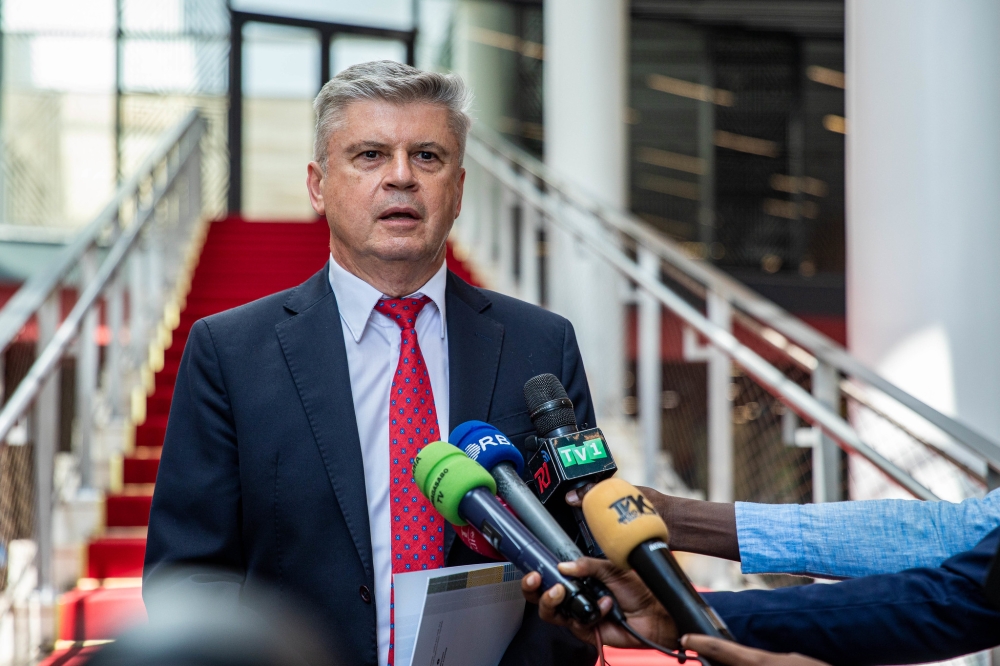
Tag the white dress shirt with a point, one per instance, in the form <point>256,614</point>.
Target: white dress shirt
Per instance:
<point>372,342</point>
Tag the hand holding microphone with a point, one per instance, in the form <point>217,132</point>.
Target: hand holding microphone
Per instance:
<point>634,537</point>
<point>643,612</point>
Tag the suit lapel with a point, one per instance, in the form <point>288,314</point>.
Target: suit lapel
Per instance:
<point>313,344</point>
<point>474,343</point>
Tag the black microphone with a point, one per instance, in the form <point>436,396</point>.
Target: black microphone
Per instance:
<point>566,457</point>
<point>462,492</point>
<point>635,537</point>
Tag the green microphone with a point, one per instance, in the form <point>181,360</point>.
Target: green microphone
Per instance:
<point>464,493</point>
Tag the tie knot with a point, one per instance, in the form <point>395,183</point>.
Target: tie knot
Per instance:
<point>403,311</point>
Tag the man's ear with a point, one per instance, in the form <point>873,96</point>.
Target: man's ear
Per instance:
<point>314,183</point>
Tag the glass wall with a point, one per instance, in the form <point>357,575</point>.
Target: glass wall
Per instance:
<point>88,87</point>
<point>737,145</point>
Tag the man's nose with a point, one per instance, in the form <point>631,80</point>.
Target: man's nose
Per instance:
<point>400,172</point>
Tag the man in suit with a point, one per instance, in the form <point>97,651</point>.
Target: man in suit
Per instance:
<point>295,418</point>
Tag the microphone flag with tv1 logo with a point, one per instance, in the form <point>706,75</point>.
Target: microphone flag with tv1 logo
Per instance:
<point>566,458</point>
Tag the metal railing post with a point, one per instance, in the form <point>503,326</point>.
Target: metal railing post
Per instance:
<point>115,322</point>
<point>481,245</point>
<point>154,248</point>
<point>46,440</point>
<point>720,408</point>
<point>86,376</point>
<point>649,369</point>
<point>504,239</point>
<point>826,461</point>
<point>195,189</point>
<point>530,287</point>
<point>136,299</point>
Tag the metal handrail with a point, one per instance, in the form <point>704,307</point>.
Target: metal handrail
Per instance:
<point>32,383</point>
<point>36,289</point>
<point>817,344</point>
<point>30,297</point>
<point>766,374</point>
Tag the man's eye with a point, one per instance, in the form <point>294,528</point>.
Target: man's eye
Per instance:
<point>370,154</point>
<point>425,155</point>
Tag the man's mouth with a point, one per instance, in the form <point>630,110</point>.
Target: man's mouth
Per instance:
<point>400,213</point>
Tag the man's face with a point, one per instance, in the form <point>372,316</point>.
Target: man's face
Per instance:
<point>392,186</point>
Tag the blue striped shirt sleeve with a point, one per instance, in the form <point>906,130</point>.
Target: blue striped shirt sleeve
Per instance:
<point>862,538</point>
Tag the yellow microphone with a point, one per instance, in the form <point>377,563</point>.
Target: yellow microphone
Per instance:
<point>633,536</point>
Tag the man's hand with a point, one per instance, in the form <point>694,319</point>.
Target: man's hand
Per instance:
<point>644,612</point>
<point>720,651</point>
<point>708,528</point>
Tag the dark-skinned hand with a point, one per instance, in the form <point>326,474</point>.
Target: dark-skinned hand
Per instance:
<point>643,611</point>
<point>695,526</point>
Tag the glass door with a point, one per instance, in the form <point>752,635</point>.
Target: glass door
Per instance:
<point>280,79</point>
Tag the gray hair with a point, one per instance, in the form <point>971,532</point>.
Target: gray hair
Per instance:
<point>395,83</point>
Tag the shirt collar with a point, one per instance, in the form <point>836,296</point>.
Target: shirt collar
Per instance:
<point>356,298</point>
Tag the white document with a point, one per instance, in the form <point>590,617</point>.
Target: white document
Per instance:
<point>464,616</point>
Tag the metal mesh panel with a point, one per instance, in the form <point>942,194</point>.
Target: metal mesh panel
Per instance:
<point>940,466</point>
<point>767,469</point>
<point>684,428</point>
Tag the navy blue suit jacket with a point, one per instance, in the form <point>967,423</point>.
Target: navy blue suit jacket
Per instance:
<point>261,476</point>
<point>910,617</point>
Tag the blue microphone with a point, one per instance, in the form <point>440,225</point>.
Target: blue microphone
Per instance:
<point>490,448</point>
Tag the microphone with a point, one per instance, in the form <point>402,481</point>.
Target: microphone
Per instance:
<point>566,457</point>
<point>634,537</point>
<point>462,492</point>
<point>490,448</point>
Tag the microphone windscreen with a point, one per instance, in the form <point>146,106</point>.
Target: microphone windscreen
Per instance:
<point>445,475</point>
<point>621,518</point>
<point>486,445</point>
<point>544,388</point>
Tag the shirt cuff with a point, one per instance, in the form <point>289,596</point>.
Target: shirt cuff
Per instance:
<point>770,538</point>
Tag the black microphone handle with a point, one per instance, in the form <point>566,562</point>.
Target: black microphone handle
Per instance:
<point>658,569</point>
<point>593,548</point>
<point>533,513</point>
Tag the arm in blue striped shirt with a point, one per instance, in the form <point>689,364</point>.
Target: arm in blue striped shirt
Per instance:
<point>862,538</point>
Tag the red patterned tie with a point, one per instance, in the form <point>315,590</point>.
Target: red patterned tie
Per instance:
<point>417,528</point>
